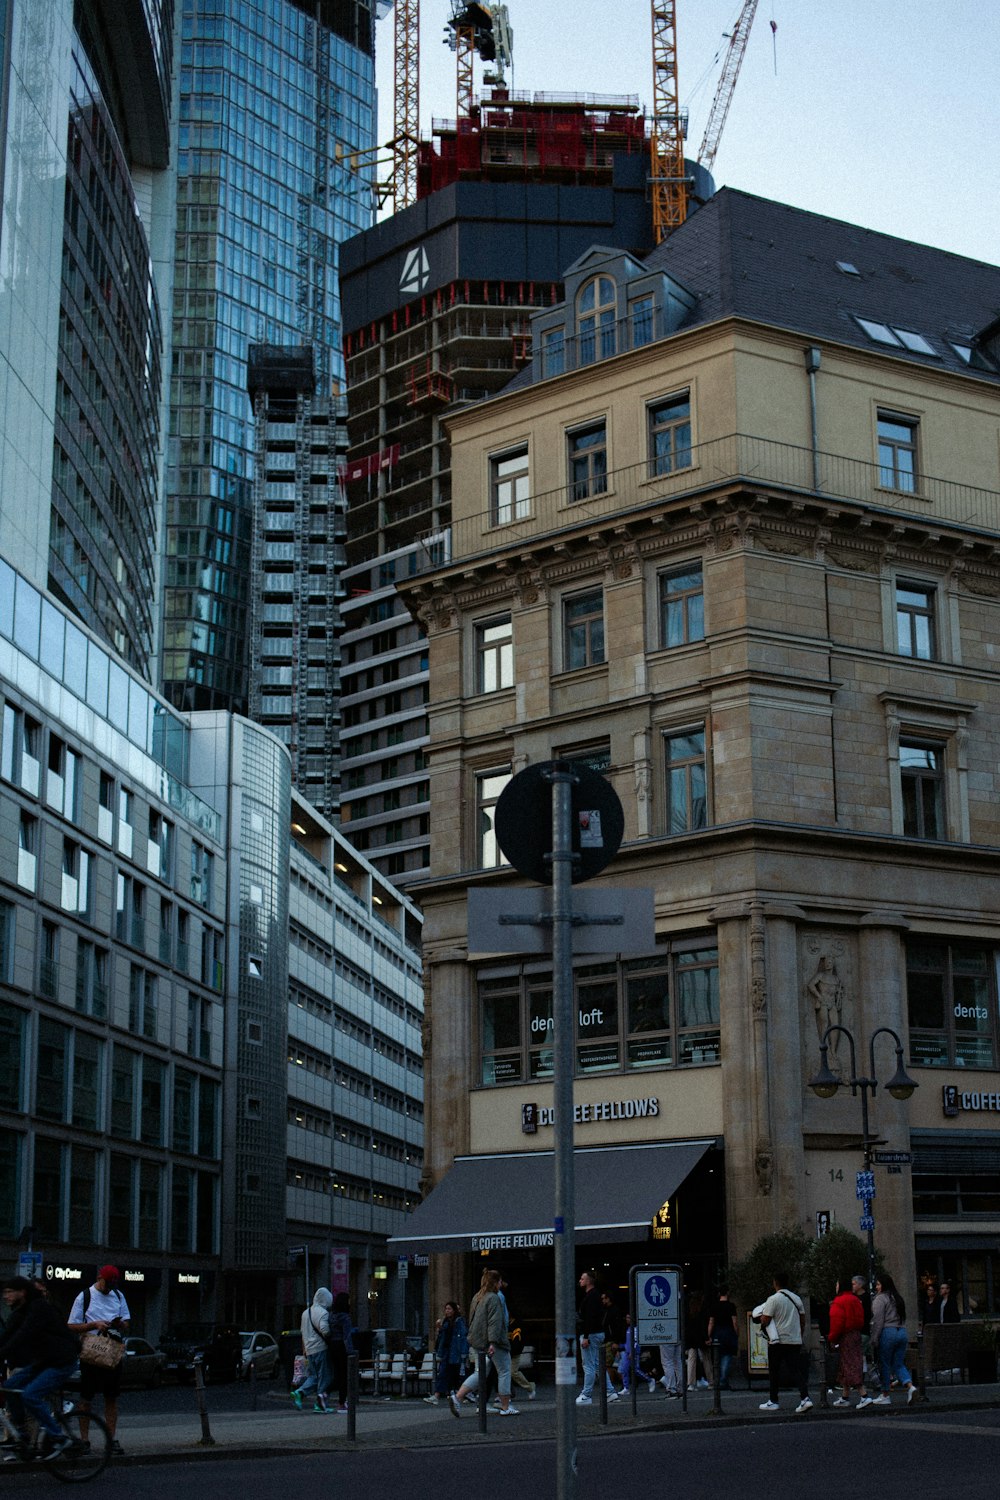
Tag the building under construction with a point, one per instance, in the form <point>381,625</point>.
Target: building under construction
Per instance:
<point>436,306</point>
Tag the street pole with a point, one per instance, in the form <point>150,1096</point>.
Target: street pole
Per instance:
<point>564,1226</point>
<point>863,1085</point>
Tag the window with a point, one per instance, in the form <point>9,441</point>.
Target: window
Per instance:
<point>921,776</point>
<point>50,1070</point>
<point>62,778</point>
<point>494,654</point>
<point>75,892</point>
<point>201,874</point>
<point>91,979</point>
<point>8,928</point>
<point>11,1056</point>
<point>553,352</point>
<point>126,804</point>
<point>682,606</point>
<point>583,630</point>
<point>510,492</point>
<point>106,808</point>
<point>588,461</point>
<point>489,785</point>
<point>658,1011</point>
<point>897,452</point>
<point>27,851</point>
<point>915,620</point>
<point>670,434</point>
<point>641,312</point>
<point>199,1029</point>
<point>684,755</point>
<point>48,961</point>
<point>596,308</point>
<point>19,749</point>
<point>142,1002</point>
<point>123,1094</point>
<point>87,1092</point>
<point>952,999</point>
<point>159,852</point>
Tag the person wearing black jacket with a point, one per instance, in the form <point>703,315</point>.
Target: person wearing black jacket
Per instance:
<point>42,1353</point>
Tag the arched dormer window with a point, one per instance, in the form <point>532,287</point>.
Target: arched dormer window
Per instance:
<point>596,309</point>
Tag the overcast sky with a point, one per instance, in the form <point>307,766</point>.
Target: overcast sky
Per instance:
<point>882,112</point>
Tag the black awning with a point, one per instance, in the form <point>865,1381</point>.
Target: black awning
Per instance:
<point>507,1202</point>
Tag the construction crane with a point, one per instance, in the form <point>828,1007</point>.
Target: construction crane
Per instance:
<point>477,28</point>
<point>738,39</point>
<point>666,143</point>
<point>406,102</point>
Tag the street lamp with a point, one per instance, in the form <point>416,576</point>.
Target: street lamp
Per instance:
<point>826,1083</point>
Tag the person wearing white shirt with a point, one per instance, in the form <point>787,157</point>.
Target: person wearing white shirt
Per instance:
<point>101,1308</point>
<point>783,1319</point>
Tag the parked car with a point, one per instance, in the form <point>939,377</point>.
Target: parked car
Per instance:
<point>142,1366</point>
<point>260,1351</point>
<point>218,1346</point>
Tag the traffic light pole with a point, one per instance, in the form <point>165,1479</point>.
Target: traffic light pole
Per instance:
<point>563,1043</point>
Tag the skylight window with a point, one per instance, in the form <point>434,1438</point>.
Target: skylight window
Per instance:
<point>915,341</point>
<point>881,333</point>
<point>847,268</point>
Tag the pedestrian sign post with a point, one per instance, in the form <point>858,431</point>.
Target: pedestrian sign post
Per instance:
<point>657,1305</point>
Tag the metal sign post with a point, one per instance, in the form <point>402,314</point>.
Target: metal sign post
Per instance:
<point>564,1222</point>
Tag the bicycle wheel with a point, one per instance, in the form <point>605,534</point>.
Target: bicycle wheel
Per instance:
<point>83,1460</point>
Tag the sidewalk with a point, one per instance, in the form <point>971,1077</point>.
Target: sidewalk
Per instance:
<point>277,1428</point>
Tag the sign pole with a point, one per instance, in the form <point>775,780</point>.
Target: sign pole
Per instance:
<point>565,1216</point>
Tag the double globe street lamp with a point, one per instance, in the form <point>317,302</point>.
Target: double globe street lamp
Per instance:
<point>826,1083</point>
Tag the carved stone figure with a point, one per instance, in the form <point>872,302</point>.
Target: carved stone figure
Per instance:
<point>826,990</point>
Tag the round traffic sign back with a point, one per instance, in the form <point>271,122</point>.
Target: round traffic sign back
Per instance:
<point>523,820</point>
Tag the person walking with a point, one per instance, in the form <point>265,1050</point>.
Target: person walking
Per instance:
<point>783,1319</point>
<point>339,1345</point>
<point>847,1319</point>
<point>451,1349</point>
<point>889,1338</point>
<point>947,1307</point>
<point>488,1335</point>
<point>315,1329</point>
<point>101,1308</point>
<point>724,1328</point>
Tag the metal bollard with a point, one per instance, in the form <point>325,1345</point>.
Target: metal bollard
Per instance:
<point>352,1396</point>
<point>252,1376</point>
<point>206,1440</point>
<point>921,1372</point>
<point>824,1371</point>
<point>716,1410</point>
<point>602,1380</point>
<point>481,1367</point>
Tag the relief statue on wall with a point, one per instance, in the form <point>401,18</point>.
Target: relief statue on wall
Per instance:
<point>827,993</point>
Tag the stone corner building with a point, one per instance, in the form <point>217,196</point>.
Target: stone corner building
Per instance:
<point>732,539</point>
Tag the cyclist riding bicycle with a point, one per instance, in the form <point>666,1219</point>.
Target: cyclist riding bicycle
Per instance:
<point>42,1353</point>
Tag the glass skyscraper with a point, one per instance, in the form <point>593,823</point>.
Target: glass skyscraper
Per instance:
<point>268,90</point>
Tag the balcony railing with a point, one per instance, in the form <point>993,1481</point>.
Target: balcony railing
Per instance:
<point>738,459</point>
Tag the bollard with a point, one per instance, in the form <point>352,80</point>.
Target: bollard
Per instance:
<point>352,1396</point>
<point>602,1379</point>
<point>716,1410</point>
<point>252,1377</point>
<point>921,1372</point>
<point>481,1367</point>
<point>824,1368</point>
<point>206,1440</point>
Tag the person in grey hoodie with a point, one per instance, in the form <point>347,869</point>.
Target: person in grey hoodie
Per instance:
<point>315,1333</point>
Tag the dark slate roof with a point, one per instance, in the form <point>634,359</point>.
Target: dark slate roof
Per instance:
<point>753,258</point>
<point>750,257</point>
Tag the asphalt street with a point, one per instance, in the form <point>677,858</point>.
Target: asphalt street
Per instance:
<point>935,1455</point>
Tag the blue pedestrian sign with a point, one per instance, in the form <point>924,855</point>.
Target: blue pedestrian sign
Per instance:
<point>657,1304</point>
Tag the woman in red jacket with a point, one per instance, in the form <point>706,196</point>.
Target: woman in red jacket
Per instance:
<point>847,1319</point>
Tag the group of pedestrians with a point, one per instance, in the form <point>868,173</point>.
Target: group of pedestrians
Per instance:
<point>41,1349</point>
<point>326,1343</point>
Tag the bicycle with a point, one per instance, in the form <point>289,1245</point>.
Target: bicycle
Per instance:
<point>83,1459</point>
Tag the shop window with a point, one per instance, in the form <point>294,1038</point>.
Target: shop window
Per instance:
<point>654,1012</point>
<point>952,1003</point>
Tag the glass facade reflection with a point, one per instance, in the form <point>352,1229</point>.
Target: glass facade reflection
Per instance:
<point>268,90</point>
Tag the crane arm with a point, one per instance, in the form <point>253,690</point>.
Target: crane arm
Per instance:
<point>727,83</point>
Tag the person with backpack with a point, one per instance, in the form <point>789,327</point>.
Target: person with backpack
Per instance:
<point>315,1329</point>
<point>101,1309</point>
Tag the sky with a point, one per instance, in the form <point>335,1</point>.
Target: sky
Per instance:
<point>885,113</point>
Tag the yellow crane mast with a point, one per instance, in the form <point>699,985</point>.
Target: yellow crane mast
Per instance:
<point>667,176</point>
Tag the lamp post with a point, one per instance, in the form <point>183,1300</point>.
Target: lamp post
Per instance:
<point>900,1086</point>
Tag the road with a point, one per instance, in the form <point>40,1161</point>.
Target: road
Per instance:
<point>937,1457</point>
